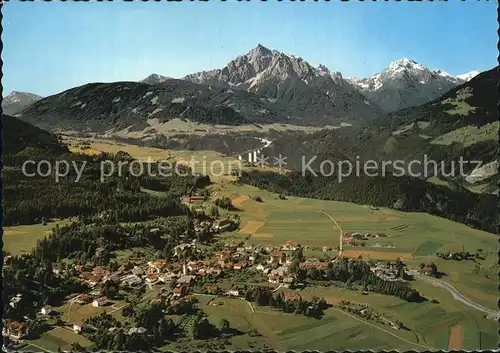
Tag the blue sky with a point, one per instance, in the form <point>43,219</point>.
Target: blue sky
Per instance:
<point>50,47</point>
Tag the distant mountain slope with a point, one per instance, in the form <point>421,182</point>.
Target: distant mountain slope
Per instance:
<point>321,95</point>
<point>154,79</point>
<point>473,103</point>
<point>17,101</point>
<point>18,135</point>
<point>406,83</point>
<point>111,107</point>
<point>461,123</point>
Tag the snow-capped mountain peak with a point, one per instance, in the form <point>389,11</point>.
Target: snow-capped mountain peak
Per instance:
<point>405,83</point>
<point>290,79</point>
<point>405,64</point>
<point>468,76</point>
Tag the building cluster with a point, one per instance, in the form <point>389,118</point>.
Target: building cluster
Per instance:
<point>390,272</point>
<point>349,238</point>
<point>14,330</point>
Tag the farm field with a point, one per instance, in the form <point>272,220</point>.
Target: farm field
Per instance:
<point>74,313</point>
<point>23,238</point>
<point>430,322</point>
<point>414,237</point>
<point>284,331</point>
<point>58,337</point>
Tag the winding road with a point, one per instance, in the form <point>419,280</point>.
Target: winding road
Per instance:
<point>459,296</point>
<point>338,226</point>
<point>265,143</point>
<point>456,294</point>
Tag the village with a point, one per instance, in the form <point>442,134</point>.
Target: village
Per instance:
<point>175,282</point>
<point>221,266</point>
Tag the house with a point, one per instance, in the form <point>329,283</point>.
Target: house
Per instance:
<point>427,271</point>
<point>347,239</point>
<point>138,330</point>
<point>195,265</point>
<point>94,280</point>
<point>15,300</point>
<point>269,248</point>
<point>288,282</point>
<point>289,296</point>
<point>114,276</point>
<point>56,270</point>
<point>100,301</point>
<point>274,278</point>
<point>223,255</point>
<point>280,271</point>
<point>233,293</point>
<point>222,224</point>
<point>131,280</point>
<point>260,267</point>
<point>166,277</point>
<point>7,259</point>
<point>67,349</point>
<point>158,265</point>
<point>238,266</point>
<point>193,198</point>
<point>409,275</point>
<point>186,279</point>
<point>213,271</point>
<point>277,256</point>
<point>357,236</point>
<point>77,328</point>
<point>46,310</point>
<point>137,271</point>
<point>14,329</point>
<point>180,291</point>
<point>290,245</point>
<point>83,299</point>
<point>156,300</point>
<point>99,271</point>
<point>152,278</point>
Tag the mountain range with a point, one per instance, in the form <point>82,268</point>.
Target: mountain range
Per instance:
<point>406,83</point>
<point>260,87</point>
<point>17,101</point>
<point>273,74</point>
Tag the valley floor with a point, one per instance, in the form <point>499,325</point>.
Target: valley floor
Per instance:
<point>318,225</point>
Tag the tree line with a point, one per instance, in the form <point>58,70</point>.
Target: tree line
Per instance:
<point>401,193</point>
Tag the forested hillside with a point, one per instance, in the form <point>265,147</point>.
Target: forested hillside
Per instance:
<point>401,193</point>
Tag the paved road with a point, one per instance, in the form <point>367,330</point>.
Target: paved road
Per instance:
<point>340,230</point>
<point>459,296</point>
